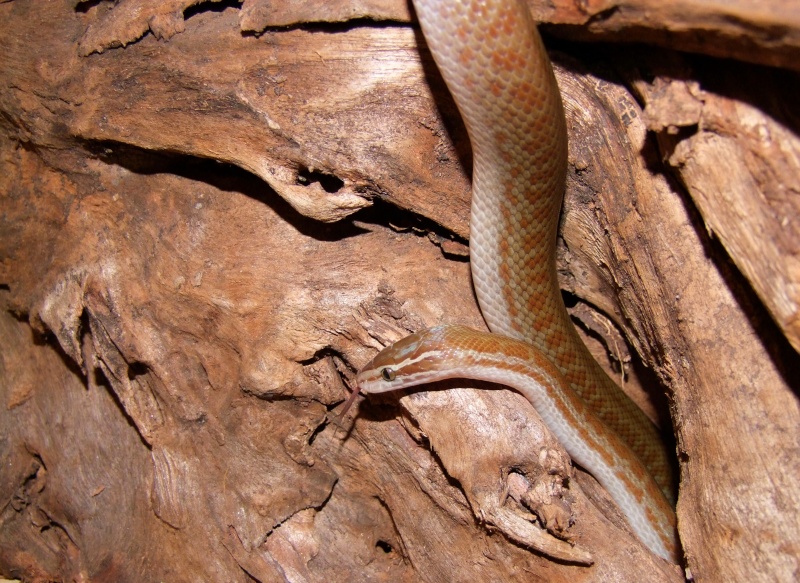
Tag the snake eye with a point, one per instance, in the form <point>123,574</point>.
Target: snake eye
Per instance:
<point>388,374</point>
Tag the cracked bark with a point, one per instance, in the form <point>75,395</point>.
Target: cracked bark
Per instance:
<point>178,322</point>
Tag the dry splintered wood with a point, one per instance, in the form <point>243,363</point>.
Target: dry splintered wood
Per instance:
<point>205,233</point>
<point>766,32</point>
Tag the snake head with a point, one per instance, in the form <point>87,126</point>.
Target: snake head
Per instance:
<point>412,361</point>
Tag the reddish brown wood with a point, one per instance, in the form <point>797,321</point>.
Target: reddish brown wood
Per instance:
<point>174,333</point>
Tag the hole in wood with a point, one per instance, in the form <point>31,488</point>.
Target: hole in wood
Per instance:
<point>384,546</point>
<point>329,183</point>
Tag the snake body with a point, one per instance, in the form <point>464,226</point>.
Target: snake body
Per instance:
<point>495,65</point>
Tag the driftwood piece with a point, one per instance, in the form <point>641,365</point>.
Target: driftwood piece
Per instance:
<point>180,334</point>
<point>742,168</point>
<point>699,352</point>
<point>764,32</point>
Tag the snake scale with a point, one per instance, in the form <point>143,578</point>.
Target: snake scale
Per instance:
<point>495,65</point>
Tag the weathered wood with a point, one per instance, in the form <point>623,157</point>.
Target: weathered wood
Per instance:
<point>765,32</point>
<point>166,419</point>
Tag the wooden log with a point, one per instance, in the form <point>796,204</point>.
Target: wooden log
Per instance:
<point>178,323</point>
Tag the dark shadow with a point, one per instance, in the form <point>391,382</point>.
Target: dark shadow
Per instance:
<point>448,110</point>
<point>83,7</point>
<point>335,27</point>
<point>49,340</point>
<point>209,6</point>
<point>328,182</point>
<point>226,178</point>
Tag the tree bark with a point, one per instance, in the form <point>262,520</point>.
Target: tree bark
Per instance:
<point>213,215</point>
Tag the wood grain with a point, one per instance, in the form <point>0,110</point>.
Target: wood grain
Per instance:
<point>193,329</point>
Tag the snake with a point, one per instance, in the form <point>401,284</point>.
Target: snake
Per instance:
<point>494,64</point>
